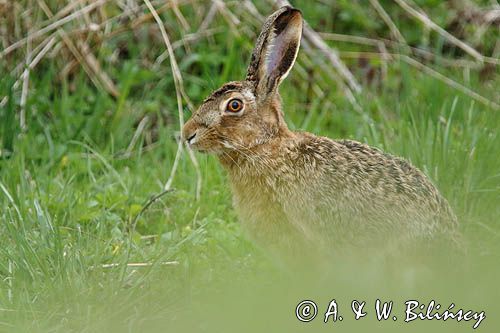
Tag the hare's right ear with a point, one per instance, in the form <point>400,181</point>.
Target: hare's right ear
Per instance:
<point>275,51</point>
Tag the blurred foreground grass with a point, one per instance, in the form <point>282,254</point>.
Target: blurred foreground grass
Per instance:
<point>73,182</point>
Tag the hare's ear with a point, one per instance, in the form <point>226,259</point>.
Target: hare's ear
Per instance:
<point>275,51</point>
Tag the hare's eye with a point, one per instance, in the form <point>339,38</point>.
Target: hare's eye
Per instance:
<point>234,105</point>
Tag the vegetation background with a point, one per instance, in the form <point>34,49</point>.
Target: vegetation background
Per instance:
<point>108,223</point>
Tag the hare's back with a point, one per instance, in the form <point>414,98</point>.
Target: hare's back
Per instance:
<point>384,172</point>
<point>362,189</point>
<point>354,171</point>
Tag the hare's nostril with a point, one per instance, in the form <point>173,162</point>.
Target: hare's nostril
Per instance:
<point>190,138</point>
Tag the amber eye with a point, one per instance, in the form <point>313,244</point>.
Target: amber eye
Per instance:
<point>234,105</point>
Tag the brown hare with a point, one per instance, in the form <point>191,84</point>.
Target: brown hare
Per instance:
<point>293,188</point>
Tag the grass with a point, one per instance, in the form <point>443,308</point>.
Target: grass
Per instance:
<point>72,185</point>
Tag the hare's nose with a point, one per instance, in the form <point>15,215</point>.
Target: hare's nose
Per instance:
<point>190,138</point>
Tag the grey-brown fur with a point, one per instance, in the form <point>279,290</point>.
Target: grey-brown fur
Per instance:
<point>295,189</point>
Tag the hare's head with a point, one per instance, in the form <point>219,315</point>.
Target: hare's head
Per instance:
<point>244,114</point>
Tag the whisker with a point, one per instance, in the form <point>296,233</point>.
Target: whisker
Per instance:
<point>260,162</point>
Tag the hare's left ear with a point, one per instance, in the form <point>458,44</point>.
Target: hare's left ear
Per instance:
<point>275,51</point>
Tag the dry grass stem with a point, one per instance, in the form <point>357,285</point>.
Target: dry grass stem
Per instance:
<point>187,39</point>
<point>425,54</point>
<point>207,20</point>
<point>182,20</point>
<point>429,71</point>
<point>179,91</point>
<point>450,82</point>
<point>24,92</point>
<point>231,20</point>
<point>327,69</point>
<point>137,134</point>
<point>199,178</point>
<point>418,14</point>
<point>387,19</point>
<point>96,69</point>
<point>138,264</point>
<point>53,26</point>
<point>85,57</point>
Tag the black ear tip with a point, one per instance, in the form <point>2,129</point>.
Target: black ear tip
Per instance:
<point>286,16</point>
<point>289,10</point>
<point>296,12</point>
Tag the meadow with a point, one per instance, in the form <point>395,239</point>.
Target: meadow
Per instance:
<point>107,223</point>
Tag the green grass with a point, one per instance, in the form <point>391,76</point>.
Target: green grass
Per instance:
<point>70,192</point>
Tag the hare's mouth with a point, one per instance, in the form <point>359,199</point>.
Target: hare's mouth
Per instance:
<point>202,143</point>
<point>198,147</point>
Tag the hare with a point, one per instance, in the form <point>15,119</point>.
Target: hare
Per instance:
<point>291,188</point>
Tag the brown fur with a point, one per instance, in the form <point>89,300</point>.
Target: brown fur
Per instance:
<point>293,188</point>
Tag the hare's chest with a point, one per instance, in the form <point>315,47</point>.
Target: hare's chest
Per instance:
<point>261,212</point>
